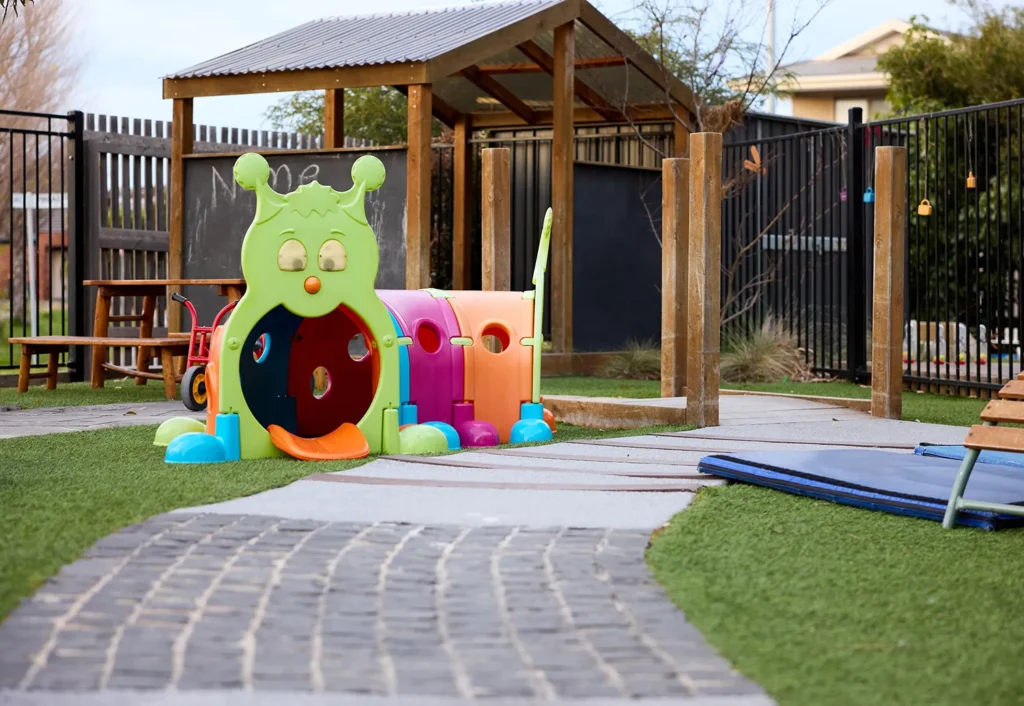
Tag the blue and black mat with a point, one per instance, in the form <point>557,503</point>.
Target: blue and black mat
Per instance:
<point>915,484</point>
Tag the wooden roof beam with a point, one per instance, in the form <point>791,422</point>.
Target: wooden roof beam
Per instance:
<point>441,110</point>
<point>492,120</point>
<point>492,87</point>
<point>299,80</point>
<point>585,93</point>
<point>601,62</point>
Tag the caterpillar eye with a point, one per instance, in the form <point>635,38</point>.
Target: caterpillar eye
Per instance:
<point>332,256</point>
<point>292,256</point>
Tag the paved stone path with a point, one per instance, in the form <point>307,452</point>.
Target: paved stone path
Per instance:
<point>201,601</point>
<point>55,420</point>
<point>430,589</point>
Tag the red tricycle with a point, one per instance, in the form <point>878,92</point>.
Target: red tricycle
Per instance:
<point>193,382</point>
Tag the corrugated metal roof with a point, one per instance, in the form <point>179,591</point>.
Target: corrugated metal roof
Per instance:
<point>364,40</point>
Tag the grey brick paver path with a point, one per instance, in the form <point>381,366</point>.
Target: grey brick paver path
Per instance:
<point>203,601</point>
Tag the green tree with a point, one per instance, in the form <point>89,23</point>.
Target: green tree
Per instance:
<point>983,64</point>
<point>376,114</point>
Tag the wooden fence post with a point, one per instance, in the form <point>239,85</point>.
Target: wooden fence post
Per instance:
<point>675,221</point>
<point>496,218</point>
<point>704,279</point>
<point>887,297</point>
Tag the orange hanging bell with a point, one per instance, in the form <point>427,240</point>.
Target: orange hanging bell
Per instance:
<point>971,181</point>
<point>925,208</point>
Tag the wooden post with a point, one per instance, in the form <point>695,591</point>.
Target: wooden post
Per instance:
<point>704,279</point>
<point>562,149</point>
<point>181,145</point>
<point>462,218</point>
<point>887,298</point>
<point>496,218</point>
<point>334,118</point>
<point>675,222</point>
<point>417,189</point>
<point>680,135</point>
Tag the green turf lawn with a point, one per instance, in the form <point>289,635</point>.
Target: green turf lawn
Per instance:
<point>59,493</point>
<point>76,394</point>
<point>935,409</point>
<point>826,604</point>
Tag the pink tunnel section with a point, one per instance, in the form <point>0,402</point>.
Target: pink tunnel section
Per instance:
<point>436,367</point>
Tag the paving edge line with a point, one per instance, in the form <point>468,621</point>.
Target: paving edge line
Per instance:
<point>296,698</point>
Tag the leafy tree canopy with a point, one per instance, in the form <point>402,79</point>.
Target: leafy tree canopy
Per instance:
<point>984,64</point>
<point>377,114</point>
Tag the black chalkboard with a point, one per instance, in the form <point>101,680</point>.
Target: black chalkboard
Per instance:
<point>616,262</point>
<point>218,212</point>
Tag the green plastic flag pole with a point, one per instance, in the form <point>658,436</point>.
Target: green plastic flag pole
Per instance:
<point>539,270</point>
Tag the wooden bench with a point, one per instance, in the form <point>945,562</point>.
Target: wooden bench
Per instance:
<point>165,348</point>
<point>1007,409</point>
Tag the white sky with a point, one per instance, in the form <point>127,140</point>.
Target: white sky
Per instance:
<point>128,45</point>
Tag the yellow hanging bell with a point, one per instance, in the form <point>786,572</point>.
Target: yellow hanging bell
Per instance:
<point>971,181</point>
<point>924,208</point>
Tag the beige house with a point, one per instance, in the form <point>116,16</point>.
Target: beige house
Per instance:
<point>844,77</point>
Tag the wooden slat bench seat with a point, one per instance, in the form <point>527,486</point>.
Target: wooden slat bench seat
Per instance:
<point>164,348</point>
<point>1007,409</point>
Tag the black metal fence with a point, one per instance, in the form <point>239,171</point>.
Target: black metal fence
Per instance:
<point>798,218</point>
<point>965,254</point>
<point>37,252</point>
<point>786,240</point>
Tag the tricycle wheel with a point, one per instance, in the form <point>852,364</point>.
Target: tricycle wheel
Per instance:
<point>193,388</point>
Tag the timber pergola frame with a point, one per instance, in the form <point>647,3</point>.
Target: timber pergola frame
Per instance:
<point>468,61</point>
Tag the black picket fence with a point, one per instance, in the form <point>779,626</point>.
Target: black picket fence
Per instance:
<point>798,231</point>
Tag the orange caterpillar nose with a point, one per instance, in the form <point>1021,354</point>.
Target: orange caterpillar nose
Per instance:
<point>312,285</point>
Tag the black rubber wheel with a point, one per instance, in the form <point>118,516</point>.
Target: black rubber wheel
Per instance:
<point>193,388</point>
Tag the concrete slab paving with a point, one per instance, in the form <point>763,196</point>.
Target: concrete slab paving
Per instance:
<point>385,468</point>
<point>865,430</point>
<point>462,506</point>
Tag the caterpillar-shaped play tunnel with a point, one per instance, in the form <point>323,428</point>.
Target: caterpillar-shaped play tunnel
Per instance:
<point>316,364</point>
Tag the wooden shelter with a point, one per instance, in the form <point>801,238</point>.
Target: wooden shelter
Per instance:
<point>531,63</point>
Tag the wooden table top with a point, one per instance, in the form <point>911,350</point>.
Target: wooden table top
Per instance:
<point>161,282</point>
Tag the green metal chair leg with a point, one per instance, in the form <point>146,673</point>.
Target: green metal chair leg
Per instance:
<point>970,458</point>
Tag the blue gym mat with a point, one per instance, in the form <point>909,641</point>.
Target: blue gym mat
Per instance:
<point>916,484</point>
<point>957,452</point>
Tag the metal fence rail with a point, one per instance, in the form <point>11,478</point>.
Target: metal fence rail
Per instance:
<point>35,290</point>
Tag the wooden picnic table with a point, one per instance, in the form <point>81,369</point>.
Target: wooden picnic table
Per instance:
<point>148,290</point>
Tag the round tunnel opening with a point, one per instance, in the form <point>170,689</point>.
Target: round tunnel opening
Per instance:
<point>311,380</point>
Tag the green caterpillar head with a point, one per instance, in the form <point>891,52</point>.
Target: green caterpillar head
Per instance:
<point>312,249</point>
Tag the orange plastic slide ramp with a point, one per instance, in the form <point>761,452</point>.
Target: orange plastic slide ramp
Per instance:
<point>343,443</point>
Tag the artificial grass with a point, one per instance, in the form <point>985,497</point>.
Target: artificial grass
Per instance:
<point>60,493</point>
<point>920,407</point>
<point>77,394</point>
<point>826,604</point>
